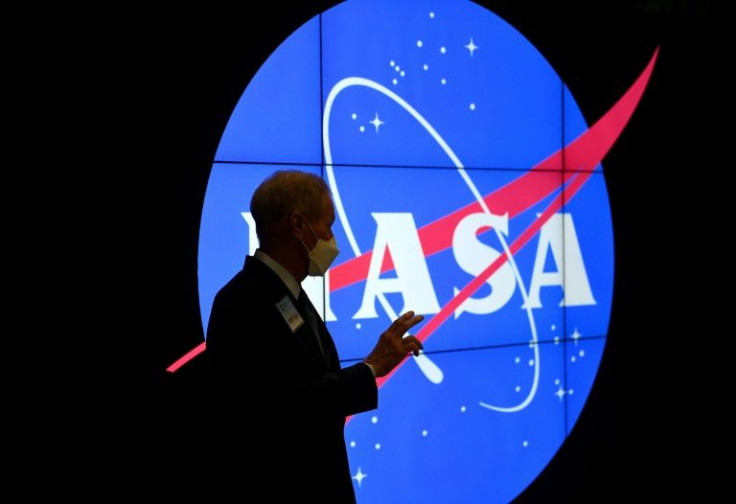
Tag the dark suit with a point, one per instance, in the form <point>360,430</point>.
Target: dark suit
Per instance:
<point>278,407</point>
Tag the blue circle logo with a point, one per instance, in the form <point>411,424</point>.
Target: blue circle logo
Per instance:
<point>468,188</point>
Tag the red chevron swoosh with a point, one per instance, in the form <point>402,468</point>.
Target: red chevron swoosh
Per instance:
<point>581,156</point>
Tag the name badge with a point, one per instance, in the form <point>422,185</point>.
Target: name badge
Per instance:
<point>290,314</point>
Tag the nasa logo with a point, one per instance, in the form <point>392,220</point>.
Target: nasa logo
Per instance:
<point>468,188</point>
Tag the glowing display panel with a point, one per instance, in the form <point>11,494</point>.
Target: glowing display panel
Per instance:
<point>452,67</point>
<point>468,187</point>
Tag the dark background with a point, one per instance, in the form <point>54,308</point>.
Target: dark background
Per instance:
<point>157,90</point>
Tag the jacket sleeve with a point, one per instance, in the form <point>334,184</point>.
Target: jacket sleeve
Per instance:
<point>253,358</point>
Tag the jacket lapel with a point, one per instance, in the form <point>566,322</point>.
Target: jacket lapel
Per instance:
<point>275,290</point>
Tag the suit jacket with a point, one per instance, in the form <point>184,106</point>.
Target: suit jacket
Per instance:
<point>278,407</point>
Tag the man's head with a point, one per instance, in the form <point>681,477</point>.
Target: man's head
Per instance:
<point>292,210</point>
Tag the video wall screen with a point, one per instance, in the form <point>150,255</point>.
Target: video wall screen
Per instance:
<point>468,187</point>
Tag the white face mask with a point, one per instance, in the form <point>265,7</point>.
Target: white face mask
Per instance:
<point>322,255</point>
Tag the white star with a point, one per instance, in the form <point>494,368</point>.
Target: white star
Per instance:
<point>576,336</point>
<point>471,46</point>
<point>359,477</point>
<point>560,393</point>
<point>376,122</point>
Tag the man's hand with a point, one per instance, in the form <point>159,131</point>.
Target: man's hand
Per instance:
<point>393,347</point>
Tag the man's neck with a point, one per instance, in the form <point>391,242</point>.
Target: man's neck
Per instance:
<point>287,260</point>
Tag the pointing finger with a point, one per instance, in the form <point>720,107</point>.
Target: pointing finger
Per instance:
<point>411,322</point>
<point>403,318</point>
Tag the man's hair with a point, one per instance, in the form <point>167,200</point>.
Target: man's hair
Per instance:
<point>282,193</point>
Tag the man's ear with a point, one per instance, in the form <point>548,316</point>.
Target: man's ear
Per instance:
<point>297,224</point>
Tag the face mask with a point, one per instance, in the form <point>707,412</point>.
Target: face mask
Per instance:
<point>322,255</point>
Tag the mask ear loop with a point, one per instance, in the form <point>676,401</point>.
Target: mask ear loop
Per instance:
<point>313,231</point>
<point>304,217</point>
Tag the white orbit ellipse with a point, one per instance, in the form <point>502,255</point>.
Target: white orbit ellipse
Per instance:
<point>428,367</point>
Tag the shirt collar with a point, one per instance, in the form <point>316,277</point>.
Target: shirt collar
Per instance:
<point>280,271</point>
